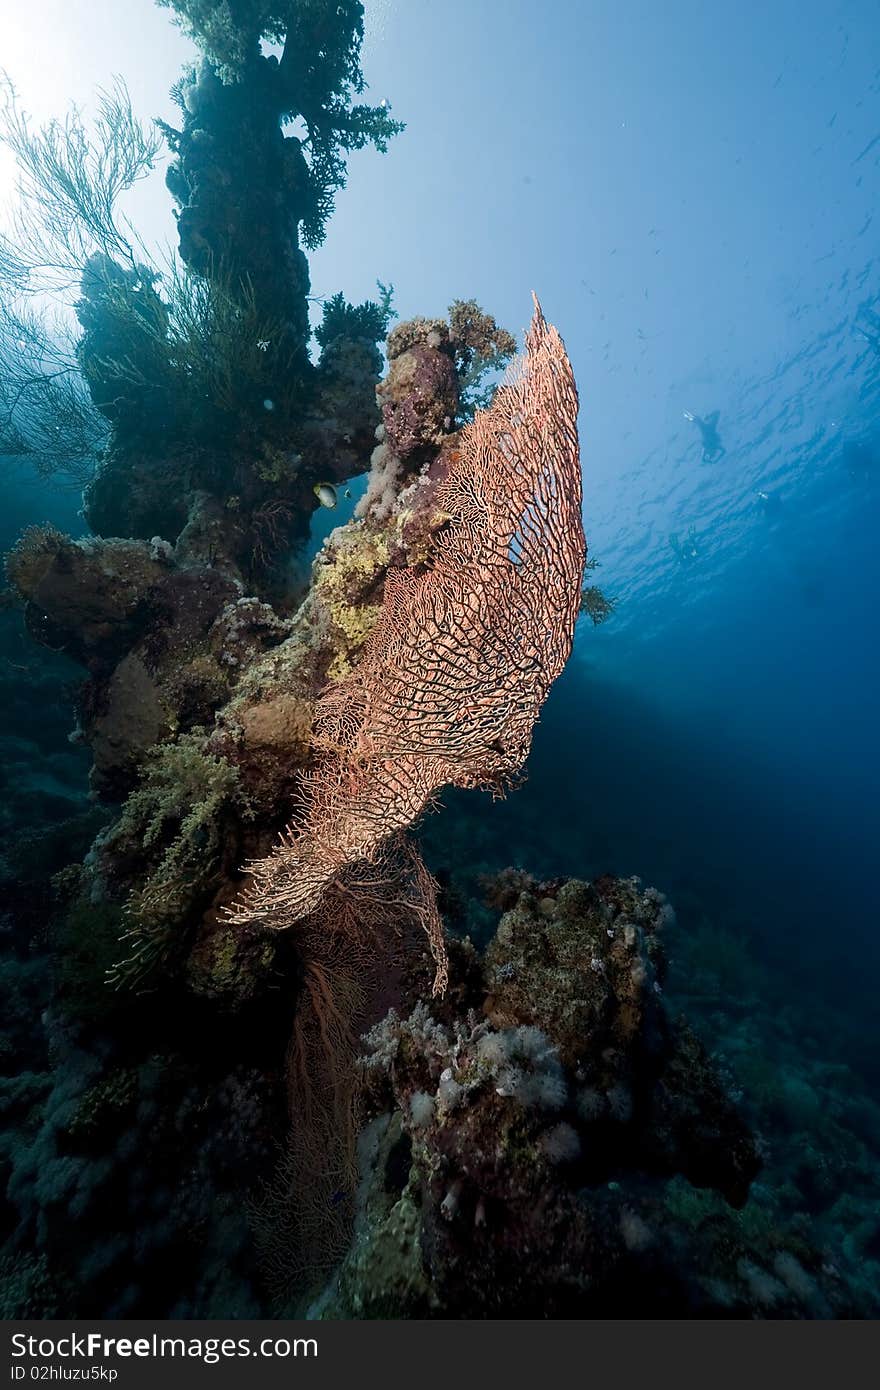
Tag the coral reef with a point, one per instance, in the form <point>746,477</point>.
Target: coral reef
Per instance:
<point>162,1140</point>
<point>463,654</point>
<point>191,407</point>
<point>143,627</point>
<point>199,709</point>
<point>544,1137</point>
<point>419,396</point>
<point>550,1142</point>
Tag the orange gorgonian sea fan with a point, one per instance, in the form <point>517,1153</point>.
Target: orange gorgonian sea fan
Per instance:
<point>453,676</point>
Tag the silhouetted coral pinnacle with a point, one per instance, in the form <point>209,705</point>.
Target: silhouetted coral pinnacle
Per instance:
<point>454,674</point>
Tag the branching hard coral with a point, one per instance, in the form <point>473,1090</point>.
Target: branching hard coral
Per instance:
<point>481,349</point>
<point>313,84</point>
<point>596,605</point>
<point>454,673</point>
<point>368,320</point>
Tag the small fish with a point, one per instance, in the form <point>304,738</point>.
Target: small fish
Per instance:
<point>347,493</point>
<point>326,494</point>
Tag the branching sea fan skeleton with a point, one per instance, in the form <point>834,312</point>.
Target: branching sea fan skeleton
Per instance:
<point>453,676</point>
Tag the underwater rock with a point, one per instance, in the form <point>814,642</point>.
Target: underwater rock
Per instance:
<point>242,188</point>
<point>264,730</point>
<point>88,598</point>
<point>227,965</point>
<point>164,641</point>
<point>531,1120</point>
<point>384,1273</point>
<point>338,432</point>
<point>135,492</point>
<point>419,396</point>
<point>128,718</point>
<point>585,963</point>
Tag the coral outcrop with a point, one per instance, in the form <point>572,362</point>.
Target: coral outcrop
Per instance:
<point>536,1143</point>
<point>465,649</point>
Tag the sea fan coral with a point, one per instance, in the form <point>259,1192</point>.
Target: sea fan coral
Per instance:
<point>454,674</point>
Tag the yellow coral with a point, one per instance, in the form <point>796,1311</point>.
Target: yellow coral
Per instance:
<point>354,622</point>
<point>276,465</point>
<point>346,586</point>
